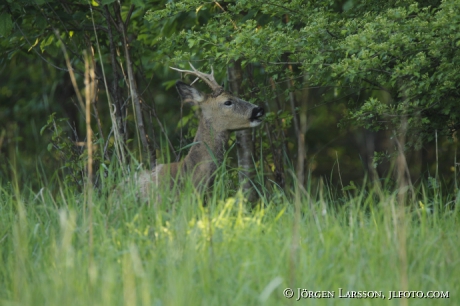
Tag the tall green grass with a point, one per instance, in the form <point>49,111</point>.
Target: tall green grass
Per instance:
<point>180,252</point>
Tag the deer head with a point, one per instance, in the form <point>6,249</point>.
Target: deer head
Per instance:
<point>220,110</point>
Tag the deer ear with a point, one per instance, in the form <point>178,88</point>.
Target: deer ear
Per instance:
<point>189,94</point>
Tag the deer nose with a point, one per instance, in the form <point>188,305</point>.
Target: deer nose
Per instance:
<point>257,113</point>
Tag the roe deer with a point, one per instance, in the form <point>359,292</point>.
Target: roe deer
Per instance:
<point>219,113</point>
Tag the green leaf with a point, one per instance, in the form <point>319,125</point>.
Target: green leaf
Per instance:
<point>6,25</point>
<point>46,42</point>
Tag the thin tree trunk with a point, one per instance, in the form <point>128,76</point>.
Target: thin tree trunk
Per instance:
<point>149,115</point>
<point>277,159</point>
<point>282,147</point>
<point>300,168</point>
<point>115,90</point>
<point>146,144</point>
<point>293,103</point>
<point>245,150</point>
<point>400,216</point>
<point>277,142</point>
<point>369,140</point>
<point>302,150</point>
<point>244,143</point>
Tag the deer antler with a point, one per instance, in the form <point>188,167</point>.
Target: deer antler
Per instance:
<point>207,78</point>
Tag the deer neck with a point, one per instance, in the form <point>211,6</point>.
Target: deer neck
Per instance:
<point>208,149</point>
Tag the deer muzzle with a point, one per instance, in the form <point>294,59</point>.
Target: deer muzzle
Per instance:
<point>256,116</point>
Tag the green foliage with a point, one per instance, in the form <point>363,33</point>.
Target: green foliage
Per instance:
<point>65,151</point>
<point>406,50</point>
<point>70,155</point>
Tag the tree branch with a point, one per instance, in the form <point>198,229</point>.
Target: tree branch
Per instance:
<point>128,17</point>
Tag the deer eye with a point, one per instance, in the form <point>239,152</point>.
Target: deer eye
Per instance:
<point>228,103</point>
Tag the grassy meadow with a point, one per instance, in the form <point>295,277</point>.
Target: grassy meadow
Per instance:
<point>99,247</point>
